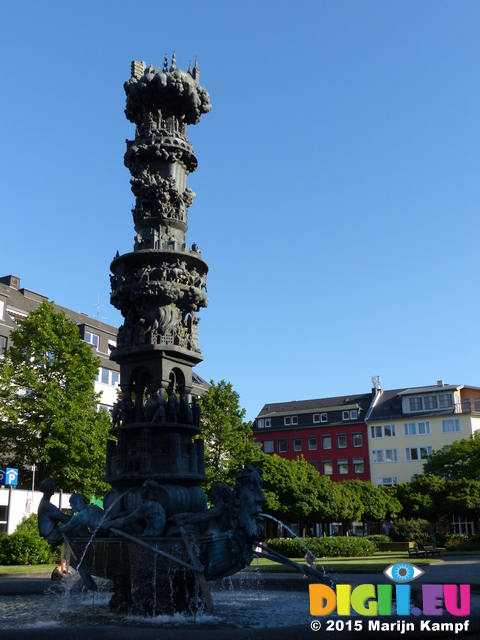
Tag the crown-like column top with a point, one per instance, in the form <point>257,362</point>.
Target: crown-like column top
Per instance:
<point>170,91</point>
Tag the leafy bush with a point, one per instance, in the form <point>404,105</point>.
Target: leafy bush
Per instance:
<point>345,546</point>
<point>376,538</point>
<point>417,530</point>
<point>25,546</point>
<point>462,542</point>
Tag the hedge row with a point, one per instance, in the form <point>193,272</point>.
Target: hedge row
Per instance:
<point>346,547</point>
<point>462,542</point>
<point>25,546</point>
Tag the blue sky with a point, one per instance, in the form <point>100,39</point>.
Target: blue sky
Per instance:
<point>337,190</point>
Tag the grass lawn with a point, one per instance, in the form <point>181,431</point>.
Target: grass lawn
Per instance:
<point>378,562</point>
<point>17,571</point>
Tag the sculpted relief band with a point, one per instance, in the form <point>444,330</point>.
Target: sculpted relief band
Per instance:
<point>376,600</point>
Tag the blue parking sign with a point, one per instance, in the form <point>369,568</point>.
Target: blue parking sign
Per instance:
<point>8,476</point>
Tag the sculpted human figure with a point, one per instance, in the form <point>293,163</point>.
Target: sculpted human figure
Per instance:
<point>172,407</point>
<point>217,519</point>
<point>86,520</point>
<point>150,515</point>
<point>49,516</point>
<point>196,412</point>
<point>248,500</point>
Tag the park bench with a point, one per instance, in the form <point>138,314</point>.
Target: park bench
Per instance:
<point>415,551</point>
<point>430,550</point>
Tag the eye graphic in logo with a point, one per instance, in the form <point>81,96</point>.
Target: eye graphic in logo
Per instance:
<point>402,572</point>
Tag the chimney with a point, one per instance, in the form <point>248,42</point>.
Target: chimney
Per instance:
<point>440,383</point>
<point>11,281</point>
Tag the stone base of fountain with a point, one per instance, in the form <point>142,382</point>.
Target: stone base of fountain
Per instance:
<point>161,575</point>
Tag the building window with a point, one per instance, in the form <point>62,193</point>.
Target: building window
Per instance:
<point>326,442</point>
<point>268,446</point>
<point>384,455</point>
<point>416,404</point>
<point>312,443</point>
<point>451,426</point>
<point>2,309</point>
<point>328,468</point>
<point>324,417</point>
<point>353,414</point>
<point>386,481</point>
<point>282,445</point>
<point>3,344</point>
<point>290,420</point>
<point>297,444</point>
<point>430,402</point>
<point>358,465</point>
<point>417,453</point>
<point>115,378</point>
<point>383,431</point>
<point>417,429</point>
<point>445,400</point>
<point>268,422</point>
<point>92,338</point>
<point>462,525</point>
<point>357,439</point>
<point>316,417</point>
<point>107,376</point>
<point>294,419</point>
<point>260,423</point>
<point>342,441</point>
<point>342,467</point>
<point>345,415</point>
<point>314,464</point>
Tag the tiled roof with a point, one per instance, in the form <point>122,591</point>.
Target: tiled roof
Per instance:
<point>318,404</point>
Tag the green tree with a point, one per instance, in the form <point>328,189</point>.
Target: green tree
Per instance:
<point>48,406</point>
<point>423,497</point>
<point>228,445</point>
<point>461,459</point>
<point>291,489</point>
<point>373,500</point>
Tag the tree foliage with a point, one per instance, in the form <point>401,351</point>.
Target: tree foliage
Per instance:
<point>461,459</point>
<point>48,406</point>
<point>227,436</point>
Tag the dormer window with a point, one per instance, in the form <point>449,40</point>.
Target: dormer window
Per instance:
<point>290,420</point>
<point>416,404</point>
<point>91,338</point>
<point>445,400</point>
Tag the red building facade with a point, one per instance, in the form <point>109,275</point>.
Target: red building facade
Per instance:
<point>330,433</point>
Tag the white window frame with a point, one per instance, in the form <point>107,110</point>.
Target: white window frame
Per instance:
<point>2,309</point>
<point>324,417</point>
<point>419,453</point>
<point>432,402</point>
<point>445,401</point>
<point>383,454</point>
<point>324,438</point>
<point>381,430</point>
<point>353,439</point>
<point>357,462</point>
<point>297,444</point>
<point>89,339</point>
<point>413,428</point>
<point>282,442</point>
<point>342,463</point>
<point>327,462</point>
<point>294,420</point>
<point>342,435</point>
<point>353,414</point>
<point>391,481</point>
<point>416,400</point>
<point>316,418</point>
<point>269,446</point>
<point>345,415</point>
<point>268,423</point>
<point>260,423</point>
<point>457,424</point>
